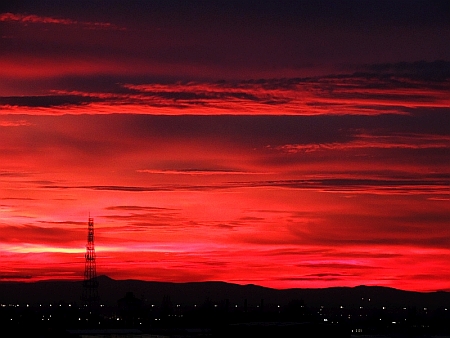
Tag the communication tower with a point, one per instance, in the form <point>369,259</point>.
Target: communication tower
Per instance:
<point>90,284</point>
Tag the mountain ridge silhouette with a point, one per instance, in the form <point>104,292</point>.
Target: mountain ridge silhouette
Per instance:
<point>152,292</point>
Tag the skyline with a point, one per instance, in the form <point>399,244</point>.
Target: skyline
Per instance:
<point>295,145</point>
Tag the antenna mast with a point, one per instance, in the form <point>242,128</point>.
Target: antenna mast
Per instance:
<point>90,284</point>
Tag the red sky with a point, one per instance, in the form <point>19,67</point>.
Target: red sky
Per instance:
<point>305,144</point>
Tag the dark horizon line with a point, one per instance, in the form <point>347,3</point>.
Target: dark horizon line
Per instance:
<point>4,280</point>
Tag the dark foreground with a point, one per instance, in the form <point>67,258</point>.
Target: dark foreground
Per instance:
<point>142,309</point>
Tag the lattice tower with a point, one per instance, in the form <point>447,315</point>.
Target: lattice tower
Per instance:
<point>90,284</point>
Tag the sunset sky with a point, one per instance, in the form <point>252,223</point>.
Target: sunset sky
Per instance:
<point>284,144</point>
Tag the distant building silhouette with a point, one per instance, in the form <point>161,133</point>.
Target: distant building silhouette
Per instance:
<point>90,297</point>
<point>130,309</point>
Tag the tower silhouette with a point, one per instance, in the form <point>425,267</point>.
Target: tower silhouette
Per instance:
<point>90,284</point>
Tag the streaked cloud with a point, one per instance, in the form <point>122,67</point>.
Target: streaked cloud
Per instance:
<point>36,19</point>
<point>352,94</point>
<point>408,141</point>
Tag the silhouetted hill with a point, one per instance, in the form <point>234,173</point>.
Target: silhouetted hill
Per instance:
<point>199,292</point>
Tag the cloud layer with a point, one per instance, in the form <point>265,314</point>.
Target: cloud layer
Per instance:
<point>421,85</point>
<point>182,192</point>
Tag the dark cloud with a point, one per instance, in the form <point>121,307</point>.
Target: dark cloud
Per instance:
<point>198,97</point>
<point>4,173</point>
<point>46,101</point>
<point>191,170</point>
<point>438,71</point>
<point>170,187</point>
<point>35,19</point>
<point>342,266</point>
<point>136,208</point>
<point>420,184</point>
<point>70,223</point>
<point>159,215</point>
